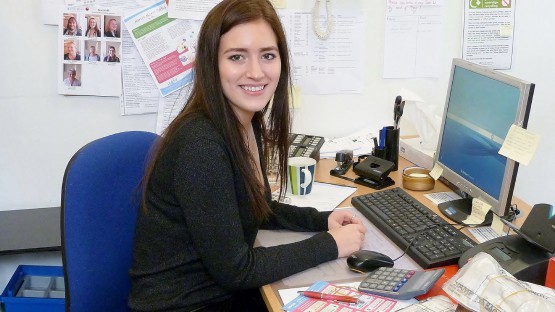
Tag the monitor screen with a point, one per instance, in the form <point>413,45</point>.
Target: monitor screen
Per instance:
<point>481,106</point>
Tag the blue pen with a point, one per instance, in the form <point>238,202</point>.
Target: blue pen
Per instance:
<point>382,138</point>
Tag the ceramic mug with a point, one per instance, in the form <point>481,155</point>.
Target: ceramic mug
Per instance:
<point>300,175</point>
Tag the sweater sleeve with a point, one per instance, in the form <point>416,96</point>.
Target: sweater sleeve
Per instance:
<point>205,189</point>
<point>295,218</point>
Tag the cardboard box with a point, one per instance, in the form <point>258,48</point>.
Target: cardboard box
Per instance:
<point>35,288</point>
<point>550,277</point>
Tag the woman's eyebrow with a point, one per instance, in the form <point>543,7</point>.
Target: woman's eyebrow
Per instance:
<point>265,49</point>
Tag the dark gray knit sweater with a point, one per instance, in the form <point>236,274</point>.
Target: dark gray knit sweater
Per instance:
<point>194,246</point>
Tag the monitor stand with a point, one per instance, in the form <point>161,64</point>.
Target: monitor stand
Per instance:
<point>459,209</point>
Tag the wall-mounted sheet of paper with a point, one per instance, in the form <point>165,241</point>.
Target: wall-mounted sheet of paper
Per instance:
<point>317,63</point>
<point>488,32</point>
<point>413,32</point>
<point>89,51</point>
<point>167,45</point>
<point>190,9</point>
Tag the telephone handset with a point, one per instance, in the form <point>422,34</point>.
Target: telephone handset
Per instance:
<point>305,145</point>
<point>321,34</point>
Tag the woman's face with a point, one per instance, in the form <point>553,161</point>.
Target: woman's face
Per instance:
<point>250,66</point>
<point>71,49</point>
<point>92,23</point>
<point>113,25</point>
<point>72,23</point>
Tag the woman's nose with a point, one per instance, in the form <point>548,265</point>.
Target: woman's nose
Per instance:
<point>255,70</point>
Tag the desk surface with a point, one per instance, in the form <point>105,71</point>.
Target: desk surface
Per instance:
<point>270,291</point>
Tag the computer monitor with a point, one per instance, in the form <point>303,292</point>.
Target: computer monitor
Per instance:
<point>481,105</point>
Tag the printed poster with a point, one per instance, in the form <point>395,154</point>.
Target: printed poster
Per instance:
<point>167,45</point>
<point>89,51</point>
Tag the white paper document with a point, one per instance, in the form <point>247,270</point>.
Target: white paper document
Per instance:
<point>167,45</point>
<point>140,94</point>
<point>324,196</point>
<point>170,106</point>
<point>483,233</point>
<point>432,304</point>
<point>413,33</point>
<point>360,142</point>
<point>442,197</point>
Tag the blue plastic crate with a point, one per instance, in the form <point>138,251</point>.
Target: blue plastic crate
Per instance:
<point>35,288</point>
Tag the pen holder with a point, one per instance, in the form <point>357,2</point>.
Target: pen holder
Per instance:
<point>391,146</point>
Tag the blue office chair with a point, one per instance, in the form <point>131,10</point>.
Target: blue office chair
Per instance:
<point>100,200</point>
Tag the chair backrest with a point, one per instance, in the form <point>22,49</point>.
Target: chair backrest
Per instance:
<point>100,199</point>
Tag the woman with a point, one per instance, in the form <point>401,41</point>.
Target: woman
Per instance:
<point>112,29</point>
<point>72,52</point>
<point>72,28</point>
<point>206,192</point>
<point>92,28</point>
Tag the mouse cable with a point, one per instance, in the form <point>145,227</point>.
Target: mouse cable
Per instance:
<point>462,226</point>
<point>411,242</point>
<point>414,239</point>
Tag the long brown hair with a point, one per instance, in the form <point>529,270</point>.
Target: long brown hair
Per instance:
<point>207,98</point>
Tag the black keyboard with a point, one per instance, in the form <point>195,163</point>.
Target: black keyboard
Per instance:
<point>433,241</point>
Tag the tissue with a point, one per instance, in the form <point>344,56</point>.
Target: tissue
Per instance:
<point>425,117</point>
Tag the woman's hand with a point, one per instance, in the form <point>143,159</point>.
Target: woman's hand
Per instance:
<point>347,230</point>
<point>349,238</point>
<point>341,217</point>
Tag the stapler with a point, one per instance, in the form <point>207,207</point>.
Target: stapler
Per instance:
<point>374,172</point>
<point>344,160</point>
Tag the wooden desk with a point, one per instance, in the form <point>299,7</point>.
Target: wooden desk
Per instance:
<point>270,291</point>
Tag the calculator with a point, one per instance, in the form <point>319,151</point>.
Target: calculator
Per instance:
<point>399,283</point>
<point>305,145</point>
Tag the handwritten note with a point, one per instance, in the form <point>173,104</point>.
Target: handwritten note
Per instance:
<point>436,172</point>
<point>520,145</point>
<point>479,210</point>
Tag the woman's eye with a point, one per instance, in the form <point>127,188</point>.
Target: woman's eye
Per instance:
<point>269,56</point>
<point>235,57</point>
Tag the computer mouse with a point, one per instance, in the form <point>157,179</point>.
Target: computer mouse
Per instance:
<point>364,261</point>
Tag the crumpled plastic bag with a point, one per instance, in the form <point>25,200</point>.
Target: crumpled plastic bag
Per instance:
<point>483,285</point>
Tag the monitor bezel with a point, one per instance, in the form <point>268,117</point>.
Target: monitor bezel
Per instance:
<point>500,206</point>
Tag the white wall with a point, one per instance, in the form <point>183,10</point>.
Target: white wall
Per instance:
<point>532,60</point>
<point>40,130</point>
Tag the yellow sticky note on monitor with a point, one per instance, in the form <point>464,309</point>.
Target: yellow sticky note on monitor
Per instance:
<point>520,145</point>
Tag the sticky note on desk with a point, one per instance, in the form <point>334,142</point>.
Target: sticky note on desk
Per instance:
<point>520,145</point>
<point>436,172</point>
<point>479,211</point>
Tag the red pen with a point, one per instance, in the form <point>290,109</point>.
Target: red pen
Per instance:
<point>319,295</point>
